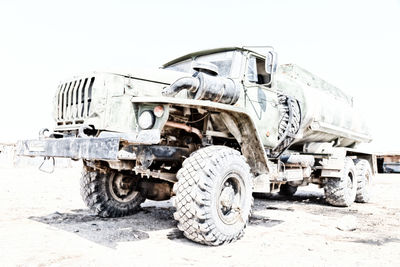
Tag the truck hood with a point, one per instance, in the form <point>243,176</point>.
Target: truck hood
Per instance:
<point>161,76</point>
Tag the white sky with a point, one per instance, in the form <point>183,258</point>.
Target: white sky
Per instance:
<point>352,44</point>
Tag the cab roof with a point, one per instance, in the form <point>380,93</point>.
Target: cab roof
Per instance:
<point>212,51</point>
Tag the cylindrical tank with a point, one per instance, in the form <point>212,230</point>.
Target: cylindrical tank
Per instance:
<point>327,113</point>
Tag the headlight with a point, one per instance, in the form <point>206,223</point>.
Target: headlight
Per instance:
<point>146,120</point>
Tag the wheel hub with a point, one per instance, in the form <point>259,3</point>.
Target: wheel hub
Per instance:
<point>227,196</point>
<point>229,200</point>
<point>122,188</point>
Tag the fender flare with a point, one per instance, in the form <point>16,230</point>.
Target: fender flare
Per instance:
<point>236,119</point>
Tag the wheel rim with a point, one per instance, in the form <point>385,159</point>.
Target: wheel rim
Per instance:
<point>349,182</point>
<point>230,199</point>
<point>122,187</point>
<point>350,186</point>
<point>367,179</point>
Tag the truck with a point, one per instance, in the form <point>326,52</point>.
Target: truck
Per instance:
<point>208,130</point>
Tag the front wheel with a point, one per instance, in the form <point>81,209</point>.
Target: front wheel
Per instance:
<point>213,195</point>
<point>111,193</point>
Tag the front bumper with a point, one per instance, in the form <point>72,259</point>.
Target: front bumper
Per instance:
<point>105,147</point>
<point>74,148</point>
<point>108,147</point>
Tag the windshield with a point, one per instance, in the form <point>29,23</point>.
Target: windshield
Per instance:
<point>223,60</point>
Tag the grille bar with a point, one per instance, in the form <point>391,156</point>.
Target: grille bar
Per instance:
<point>89,95</point>
<point>60,89</point>
<point>65,96</point>
<point>85,94</point>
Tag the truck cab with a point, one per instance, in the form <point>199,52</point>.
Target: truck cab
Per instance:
<point>258,93</point>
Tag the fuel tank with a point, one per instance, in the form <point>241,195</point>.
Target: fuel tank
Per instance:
<point>327,113</point>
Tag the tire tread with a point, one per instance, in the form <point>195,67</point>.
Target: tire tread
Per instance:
<point>94,195</point>
<point>193,195</point>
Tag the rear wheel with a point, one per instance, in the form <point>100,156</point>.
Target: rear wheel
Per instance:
<point>213,195</point>
<point>110,194</point>
<point>287,190</point>
<point>364,180</point>
<point>341,191</point>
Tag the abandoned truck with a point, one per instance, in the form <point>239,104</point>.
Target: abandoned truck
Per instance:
<point>208,129</point>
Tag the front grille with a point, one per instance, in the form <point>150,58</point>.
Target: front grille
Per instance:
<point>73,101</point>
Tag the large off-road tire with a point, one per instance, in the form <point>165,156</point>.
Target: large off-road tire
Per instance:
<point>364,180</point>
<point>287,190</point>
<point>341,192</point>
<point>213,195</point>
<point>110,194</point>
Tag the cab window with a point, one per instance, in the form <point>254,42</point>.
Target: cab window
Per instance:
<point>256,71</point>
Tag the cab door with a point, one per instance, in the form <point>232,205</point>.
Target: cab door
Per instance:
<point>261,100</point>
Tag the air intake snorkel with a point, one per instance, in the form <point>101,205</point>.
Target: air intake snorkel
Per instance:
<point>205,84</point>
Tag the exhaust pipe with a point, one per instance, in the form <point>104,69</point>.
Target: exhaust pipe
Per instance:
<point>185,127</point>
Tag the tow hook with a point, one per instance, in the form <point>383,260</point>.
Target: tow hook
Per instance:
<point>45,168</point>
<point>81,131</point>
<point>42,133</point>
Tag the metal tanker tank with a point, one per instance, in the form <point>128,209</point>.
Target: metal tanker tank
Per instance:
<point>327,113</point>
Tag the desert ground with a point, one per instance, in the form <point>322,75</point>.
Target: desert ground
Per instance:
<point>44,222</point>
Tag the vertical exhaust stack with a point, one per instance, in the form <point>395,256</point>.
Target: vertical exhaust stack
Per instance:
<point>205,84</point>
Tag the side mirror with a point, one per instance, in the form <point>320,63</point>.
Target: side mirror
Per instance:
<point>271,62</point>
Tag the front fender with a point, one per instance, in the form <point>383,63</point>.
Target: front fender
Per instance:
<point>236,119</point>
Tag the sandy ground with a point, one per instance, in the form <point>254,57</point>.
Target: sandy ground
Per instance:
<point>44,222</point>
